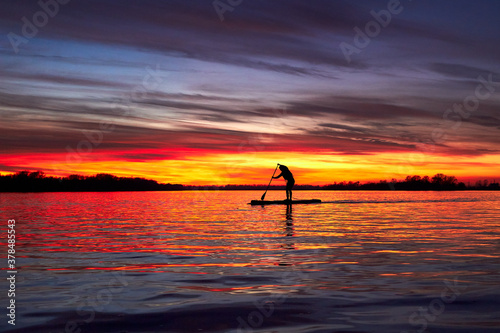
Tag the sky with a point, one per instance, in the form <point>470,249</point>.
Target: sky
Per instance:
<point>218,92</point>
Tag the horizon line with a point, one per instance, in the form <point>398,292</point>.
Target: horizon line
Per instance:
<point>352,182</point>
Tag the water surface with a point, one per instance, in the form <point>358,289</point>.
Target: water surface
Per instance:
<point>208,262</point>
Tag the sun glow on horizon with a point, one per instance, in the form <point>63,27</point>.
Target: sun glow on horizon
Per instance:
<point>256,168</point>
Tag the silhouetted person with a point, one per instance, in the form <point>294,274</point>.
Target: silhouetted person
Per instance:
<point>287,175</point>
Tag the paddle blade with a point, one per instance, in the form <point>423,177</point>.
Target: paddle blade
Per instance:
<point>263,196</point>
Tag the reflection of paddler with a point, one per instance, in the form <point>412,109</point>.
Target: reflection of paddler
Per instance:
<point>289,221</point>
<point>289,214</point>
<point>288,242</point>
<point>287,175</point>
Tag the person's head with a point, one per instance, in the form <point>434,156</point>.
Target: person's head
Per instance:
<point>283,168</point>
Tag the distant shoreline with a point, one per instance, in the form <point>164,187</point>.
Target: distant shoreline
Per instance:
<point>37,181</point>
<point>211,190</point>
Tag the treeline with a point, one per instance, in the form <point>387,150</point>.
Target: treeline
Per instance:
<point>37,181</point>
<point>438,182</point>
<point>26,181</point>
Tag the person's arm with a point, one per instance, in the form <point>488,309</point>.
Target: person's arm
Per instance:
<point>281,174</point>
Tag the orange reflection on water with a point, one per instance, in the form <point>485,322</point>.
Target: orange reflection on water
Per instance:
<point>218,229</point>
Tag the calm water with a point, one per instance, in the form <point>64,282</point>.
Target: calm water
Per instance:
<point>208,262</point>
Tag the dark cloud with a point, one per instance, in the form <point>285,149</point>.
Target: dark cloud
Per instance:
<point>487,121</point>
<point>18,107</point>
<point>458,70</point>
<point>67,80</point>
<point>193,30</point>
<point>343,127</point>
<point>281,68</point>
<point>354,108</point>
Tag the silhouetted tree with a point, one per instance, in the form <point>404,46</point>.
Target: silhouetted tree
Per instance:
<point>37,181</point>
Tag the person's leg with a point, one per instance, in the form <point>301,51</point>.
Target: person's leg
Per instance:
<point>289,186</point>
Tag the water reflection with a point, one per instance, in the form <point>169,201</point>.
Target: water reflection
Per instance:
<point>181,249</point>
<point>289,230</point>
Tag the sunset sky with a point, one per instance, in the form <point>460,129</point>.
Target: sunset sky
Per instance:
<point>218,92</point>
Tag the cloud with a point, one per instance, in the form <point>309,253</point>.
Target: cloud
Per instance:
<point>354,108</point>
<point>78,82</point>
<point>343,127</point>
<point>458,70</point>
<point>192,30</point>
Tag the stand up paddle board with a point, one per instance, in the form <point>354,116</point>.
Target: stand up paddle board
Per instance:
<point>283,202</point>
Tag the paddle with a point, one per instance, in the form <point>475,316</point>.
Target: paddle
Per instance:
<point>264,195</point>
